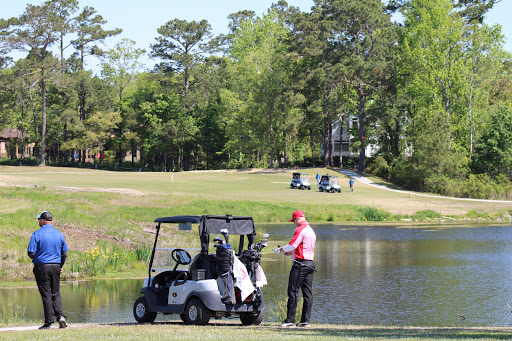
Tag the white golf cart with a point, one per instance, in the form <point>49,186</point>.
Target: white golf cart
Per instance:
<point>329,183</point>
<point>301,181</point>
<point>197,284</point>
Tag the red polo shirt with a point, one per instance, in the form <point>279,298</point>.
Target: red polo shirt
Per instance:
<point>303,242</point>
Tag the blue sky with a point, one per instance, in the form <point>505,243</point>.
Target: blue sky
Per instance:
<point>140,19</point>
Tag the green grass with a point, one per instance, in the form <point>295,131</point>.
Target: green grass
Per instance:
<point>234,331</point>
<point>425,215</point>
<point>116,211</point>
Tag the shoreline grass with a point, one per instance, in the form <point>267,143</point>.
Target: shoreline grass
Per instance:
<point>221,330</point>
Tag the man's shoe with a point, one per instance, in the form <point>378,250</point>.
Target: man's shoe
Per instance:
<point>288,325</point>
<point>62,322</point>
<point>46,326</point>
<point>303,325</point>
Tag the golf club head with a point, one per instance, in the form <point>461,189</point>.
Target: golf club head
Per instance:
<point>218,240</point>
<point>225,234</point>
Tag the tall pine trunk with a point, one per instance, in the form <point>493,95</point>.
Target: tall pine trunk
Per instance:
<point>43,121</point>
<point>326,141</point>
<point>362,137</point>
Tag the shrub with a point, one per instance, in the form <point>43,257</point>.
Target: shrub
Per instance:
<point>503,187</point>
<point>379,167</point>
<point>350,161</point>
<point>479,187</point>
<point>402,173</point>
<point>426,214</point>
<point>27,161</point>
<point>371,214</point>
<point>443,185</point>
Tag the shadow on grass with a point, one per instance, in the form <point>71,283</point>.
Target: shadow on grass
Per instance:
<point>401,333</point>
<point>362,332</point>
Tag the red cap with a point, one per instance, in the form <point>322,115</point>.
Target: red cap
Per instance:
<point>297,214</point>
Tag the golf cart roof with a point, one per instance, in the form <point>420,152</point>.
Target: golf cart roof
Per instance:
<point>297,173</point>
<point>180,219</point>
<point>329,176</point>
<point>236,225</point>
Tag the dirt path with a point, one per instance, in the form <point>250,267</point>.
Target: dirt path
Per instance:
<point>56,326</point>
<point>126,191</point>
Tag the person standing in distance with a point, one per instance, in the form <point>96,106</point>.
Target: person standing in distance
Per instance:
<point>302,247</point>
<point>351,184</point>
<point>48,250</point>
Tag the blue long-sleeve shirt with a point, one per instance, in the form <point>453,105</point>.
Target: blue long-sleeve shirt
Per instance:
<point>48,245</point>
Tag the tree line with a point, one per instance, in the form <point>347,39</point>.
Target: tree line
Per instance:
<point>431,91</point>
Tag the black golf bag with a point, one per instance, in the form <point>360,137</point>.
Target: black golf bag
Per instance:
<point>225,260</point>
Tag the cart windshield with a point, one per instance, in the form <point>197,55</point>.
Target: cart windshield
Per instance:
<point>164,261</point>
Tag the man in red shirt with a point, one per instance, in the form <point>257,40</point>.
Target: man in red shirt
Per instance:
<point>302,248</point>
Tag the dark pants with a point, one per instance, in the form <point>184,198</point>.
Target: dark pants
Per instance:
<point>301,277</point>
<point>48,283</point>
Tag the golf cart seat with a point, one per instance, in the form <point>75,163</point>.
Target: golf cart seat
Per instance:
<point>166,278</point>
<point>203,263</point>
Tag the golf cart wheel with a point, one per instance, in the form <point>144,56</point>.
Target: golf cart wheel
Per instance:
<point>141,311</point>
<point>339,191</point>
<point>309,188</point>
<point>321,189</point>
<point>196,313</point>
<point>251,318</point>
<point>301,187</point>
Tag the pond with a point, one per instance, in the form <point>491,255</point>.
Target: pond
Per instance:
<point>372,275</point>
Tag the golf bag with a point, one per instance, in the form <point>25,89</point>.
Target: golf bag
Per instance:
<point>225,260</point>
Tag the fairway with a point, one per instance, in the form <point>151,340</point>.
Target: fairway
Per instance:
<point>242,185</point>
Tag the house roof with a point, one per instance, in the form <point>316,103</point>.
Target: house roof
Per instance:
<point>10,133</point>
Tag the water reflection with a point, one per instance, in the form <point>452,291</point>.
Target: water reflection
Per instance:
<point>371,275</point>
<point>412,276</point>
<point>84,301</point>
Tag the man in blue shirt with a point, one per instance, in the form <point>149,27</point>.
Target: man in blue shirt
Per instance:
<point>48,251</point>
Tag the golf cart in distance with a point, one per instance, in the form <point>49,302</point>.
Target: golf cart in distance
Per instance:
<point>203,285</point>
<point>329,183</point>
<point>300,180</point>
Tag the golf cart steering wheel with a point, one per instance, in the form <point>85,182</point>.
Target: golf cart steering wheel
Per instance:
<point>181,256</point>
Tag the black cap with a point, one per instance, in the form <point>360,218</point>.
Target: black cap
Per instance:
<point>45,215</point>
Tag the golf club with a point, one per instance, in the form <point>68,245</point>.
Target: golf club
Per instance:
<point>218,240</point>
<point>262,244</point>
<point>225,234</point>
<point>278,250</point>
